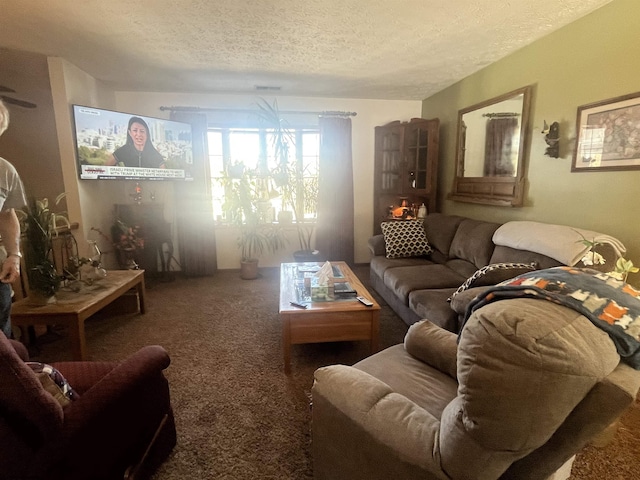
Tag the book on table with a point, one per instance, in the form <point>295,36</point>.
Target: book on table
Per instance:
<point>343,290</point>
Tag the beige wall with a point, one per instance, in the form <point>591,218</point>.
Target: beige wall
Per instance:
<point>593,59</point>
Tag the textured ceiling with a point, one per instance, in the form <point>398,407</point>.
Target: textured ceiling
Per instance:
<point>386,49</point>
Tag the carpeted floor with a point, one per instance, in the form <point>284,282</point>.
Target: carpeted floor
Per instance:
<point>238,415</point>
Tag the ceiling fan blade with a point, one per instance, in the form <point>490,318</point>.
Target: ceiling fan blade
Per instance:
<point>20,103</point>
<point>6,89</point>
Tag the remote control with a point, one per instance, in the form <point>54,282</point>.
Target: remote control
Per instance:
<point>296,304</point>
<point>365,302</point>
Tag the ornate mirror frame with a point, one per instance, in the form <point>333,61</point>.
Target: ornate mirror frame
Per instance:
<point>503,188</point>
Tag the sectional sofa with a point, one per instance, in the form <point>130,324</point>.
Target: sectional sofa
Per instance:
<point>421,286</point>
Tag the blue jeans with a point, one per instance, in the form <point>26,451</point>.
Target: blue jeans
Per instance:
<point>5,309</point>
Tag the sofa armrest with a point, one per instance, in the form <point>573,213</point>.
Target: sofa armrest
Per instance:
<point>363,430</point>
<point>376,245</point>
<point>433,345</point>
<point>143,369</point>
<point>126,406</point>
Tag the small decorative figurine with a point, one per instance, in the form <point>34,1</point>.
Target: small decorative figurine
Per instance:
<point>552,138</point>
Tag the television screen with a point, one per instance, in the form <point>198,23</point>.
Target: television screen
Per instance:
<point>116,145</point>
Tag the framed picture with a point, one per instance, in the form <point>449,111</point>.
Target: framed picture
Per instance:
<point>608,135</point>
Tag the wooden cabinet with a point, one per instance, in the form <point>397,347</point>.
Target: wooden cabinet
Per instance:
<point>406,166</point>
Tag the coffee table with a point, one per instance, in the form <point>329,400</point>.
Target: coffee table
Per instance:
<point>331,321</point>
<point>72,309</point>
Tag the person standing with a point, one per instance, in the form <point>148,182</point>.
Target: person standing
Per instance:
<point>11,197</point>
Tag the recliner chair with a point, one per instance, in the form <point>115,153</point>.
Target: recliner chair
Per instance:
<point>529,384</point>
<point>121,426</point>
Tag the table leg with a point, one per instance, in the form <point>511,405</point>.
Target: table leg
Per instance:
<point>286,344</point>
<point>77,340</point>
<point>141,294</point>
<point>375,331</point>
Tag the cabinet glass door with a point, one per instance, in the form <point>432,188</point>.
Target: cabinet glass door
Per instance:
<point>391,162</point>
<point>419,171</point>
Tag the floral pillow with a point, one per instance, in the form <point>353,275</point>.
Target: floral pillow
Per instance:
<point>405,238</point>
<point>493,274</point>
<point>54,383</point>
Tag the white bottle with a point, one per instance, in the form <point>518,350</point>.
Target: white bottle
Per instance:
<point>422,211</point>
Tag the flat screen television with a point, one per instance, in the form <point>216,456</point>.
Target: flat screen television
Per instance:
<point>114,145</point>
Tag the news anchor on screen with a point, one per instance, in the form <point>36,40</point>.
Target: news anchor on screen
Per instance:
<point>138,151</point>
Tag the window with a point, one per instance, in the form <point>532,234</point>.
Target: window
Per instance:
<point>292,187</point>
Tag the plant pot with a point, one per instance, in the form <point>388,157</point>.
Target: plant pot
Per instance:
<point>34,297</point>
<point>127,258</point>
<point>249,269</point>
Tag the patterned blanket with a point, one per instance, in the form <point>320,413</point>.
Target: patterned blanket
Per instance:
<point>610,304</point>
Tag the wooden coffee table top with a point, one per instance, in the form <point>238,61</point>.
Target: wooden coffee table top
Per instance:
<point>289,276</point>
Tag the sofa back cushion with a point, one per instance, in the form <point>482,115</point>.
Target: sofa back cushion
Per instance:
<point>441,229</point>
<point>473,242</point>
<point>502,254</point>
<point>523,365</point>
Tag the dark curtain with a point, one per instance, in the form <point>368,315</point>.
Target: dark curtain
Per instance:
<point>195,226</point>
<point>334,236</point>
<point>498,153</point>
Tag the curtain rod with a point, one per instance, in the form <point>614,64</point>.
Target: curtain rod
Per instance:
<point>326,113</point>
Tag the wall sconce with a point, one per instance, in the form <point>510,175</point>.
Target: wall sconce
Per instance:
<point>552,138</point>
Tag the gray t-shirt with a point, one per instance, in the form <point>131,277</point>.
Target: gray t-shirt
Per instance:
<point>11,193</point>
<point>11,188</point>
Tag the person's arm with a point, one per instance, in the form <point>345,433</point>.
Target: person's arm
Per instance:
<point>10,234</point>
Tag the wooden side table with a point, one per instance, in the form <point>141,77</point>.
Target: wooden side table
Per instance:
<point>72,309</point>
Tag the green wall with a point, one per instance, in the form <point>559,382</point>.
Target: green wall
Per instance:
<point>592,59</point>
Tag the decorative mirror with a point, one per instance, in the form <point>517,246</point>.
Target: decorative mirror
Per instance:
<point>491,149</point>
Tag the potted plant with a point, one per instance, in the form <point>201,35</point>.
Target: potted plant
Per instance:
<point>127,243</point>
<point>242,206</point>
<point>289,180</point>
<point>39,225</point>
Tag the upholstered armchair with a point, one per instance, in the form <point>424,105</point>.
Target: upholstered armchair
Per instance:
<point>108,421</point>
<point>528,384</point>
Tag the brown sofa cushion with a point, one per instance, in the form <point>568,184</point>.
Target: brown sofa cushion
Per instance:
<point>406,280</point>
<point>410,377</point>
<point>431,304</point>
<point>473,242</point>
<point>523,366</point>
<point>460,302</point>
<point>440,230</point>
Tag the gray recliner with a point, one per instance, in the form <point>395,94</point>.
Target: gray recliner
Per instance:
<point>527,386</point>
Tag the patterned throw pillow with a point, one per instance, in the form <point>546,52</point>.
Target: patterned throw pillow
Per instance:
<point>493,274</point>
<point>53,382</point>
<point>405,238</point>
